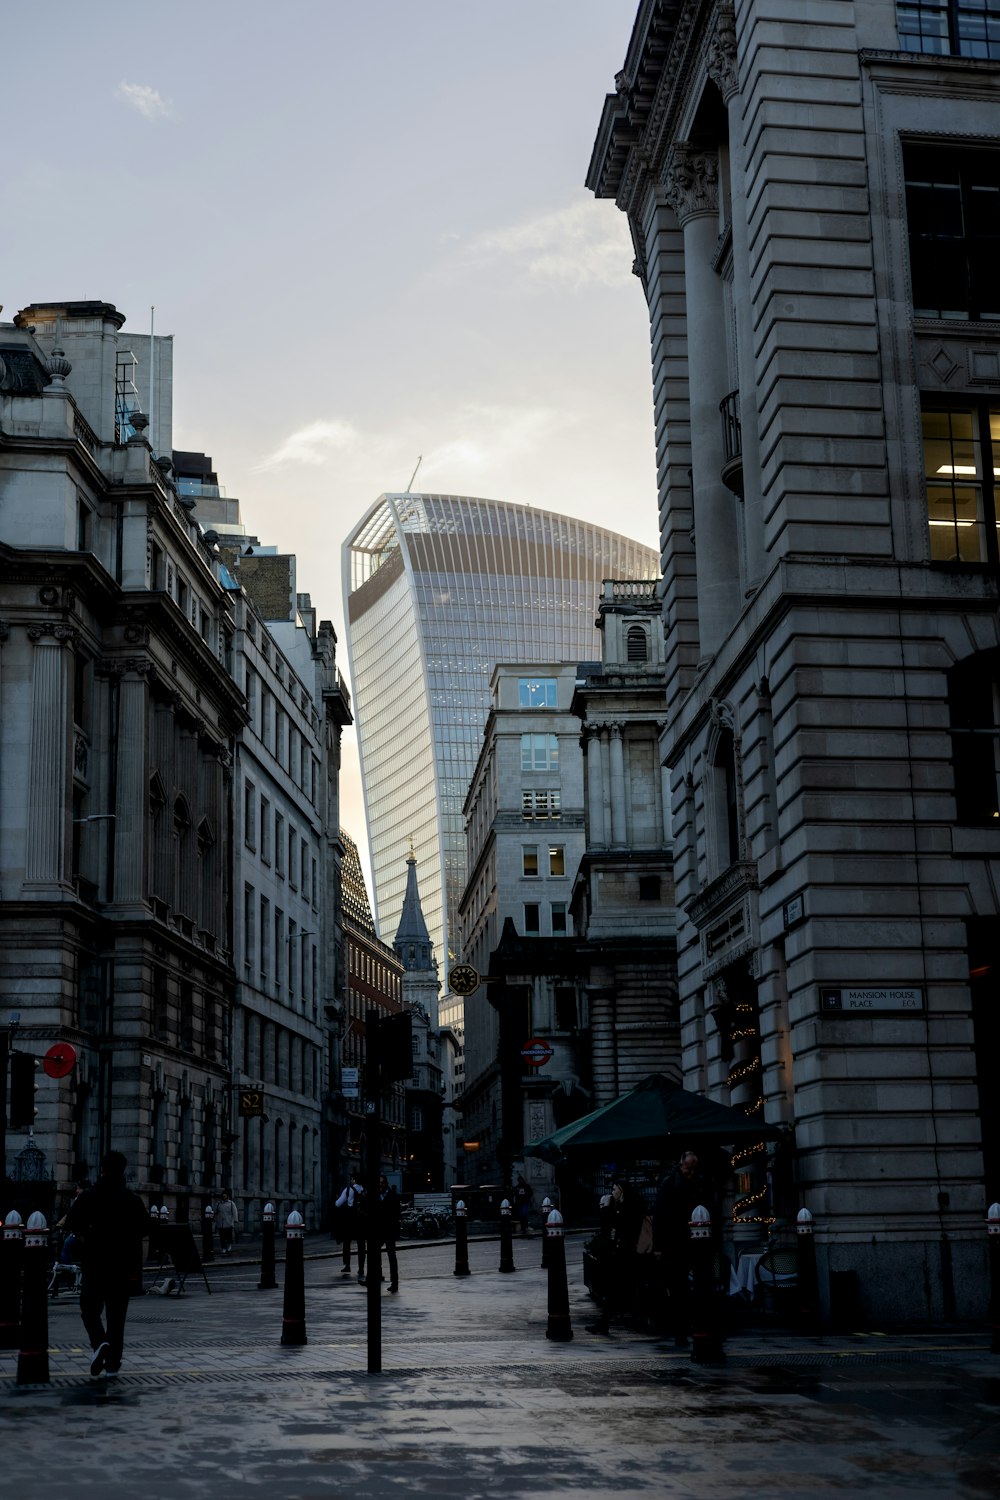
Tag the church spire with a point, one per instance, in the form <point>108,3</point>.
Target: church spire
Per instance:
<point>412,942</point>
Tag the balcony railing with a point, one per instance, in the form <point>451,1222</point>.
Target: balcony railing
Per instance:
<point>732,442</point>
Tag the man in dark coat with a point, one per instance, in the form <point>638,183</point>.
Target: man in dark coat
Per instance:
<point>110,1224</point>
<point>680,1193</point>
<point>386,1232</point>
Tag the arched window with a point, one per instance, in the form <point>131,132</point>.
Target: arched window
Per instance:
<point>637,644</point>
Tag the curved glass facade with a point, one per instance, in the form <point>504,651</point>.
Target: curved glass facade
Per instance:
<point>439,589</point>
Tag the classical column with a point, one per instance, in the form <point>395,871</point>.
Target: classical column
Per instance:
<point>45,854</point>
<point>131,785</point>
<point>602,1035</point>
<point>691,186</point>
<point>721,63</point>
<point>617,758</point>
<point>595,787</point>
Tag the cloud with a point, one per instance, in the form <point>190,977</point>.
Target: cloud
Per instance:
<point>585,244</point>
<point>312,445</point>
<point>489,436</point>
<point>139,96</point>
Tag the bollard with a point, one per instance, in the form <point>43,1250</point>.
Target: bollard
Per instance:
<point>558,1326</point>
<point>154,1233</point>
<point>267,1281</point>
<point>293,1320</point>
<point>506,1238</point>
<point>11,1258</point>
<point>993,1233</point>
<point>207,1238</point>
<point>461,1241</point>
<point>808,1281</point>
<point>547,1207</point>
<point>33,1355</point>
<point>706,1338</point>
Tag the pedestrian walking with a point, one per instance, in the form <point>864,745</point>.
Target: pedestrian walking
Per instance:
<point>523,1196</point>
<point>387,1216</point>
<point>227,1222</point>
<point>110,1224</point>
<point>622,1213</point>
<point>351,1205</point>
<point>681,1191</point>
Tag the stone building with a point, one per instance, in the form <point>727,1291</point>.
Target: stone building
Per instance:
<point>118,718</point>
<point>373,980</point>
<point>524,818</point>
<point>425,1091</point>
<point>623,906</point>
<point>286,865</point>
<point>807,199</point>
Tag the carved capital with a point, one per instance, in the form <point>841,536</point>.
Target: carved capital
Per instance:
<point>720,58</point>
<point>52,630</point>
<point>691,181</point>
<point>122,666</point>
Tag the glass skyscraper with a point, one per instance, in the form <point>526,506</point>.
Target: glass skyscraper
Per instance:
<point>438,589</point>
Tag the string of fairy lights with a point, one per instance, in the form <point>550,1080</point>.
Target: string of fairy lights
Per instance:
<point>745,1029</point>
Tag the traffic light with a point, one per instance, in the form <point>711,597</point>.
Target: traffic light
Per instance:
<point>23,1066</point>
<point>395,1046</point>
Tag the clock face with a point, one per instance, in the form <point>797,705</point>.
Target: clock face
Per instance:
<point>463,979</point>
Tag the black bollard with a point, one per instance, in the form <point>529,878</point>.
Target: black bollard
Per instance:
<point>267,1282</point>
<point>558,1326</point>
<point>293,1319</point>
<point>506,1238</point>
<point>461,1241</point>
<point>33,1354</point>
<point>706,1337</point>
<point>154,1234</point>
<point>11,1258</point>
<point>207,1237</point>
<point>547,1207</point>
<point>807,1318</point>
<point>993,1231</point>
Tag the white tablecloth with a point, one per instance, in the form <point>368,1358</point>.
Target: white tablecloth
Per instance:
<point>743,1276</point>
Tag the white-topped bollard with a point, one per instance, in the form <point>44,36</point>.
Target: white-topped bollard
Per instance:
<point>267,1281</point>
<point>33,1348</point>
<point>11,1260</point>
<point>461,1240</point>
<point>547,1207</point>
<point>506,1238</point>
<point>558,1326</point>
<point>807,1317</point>
<point>706,1338</point>
<point>293,1321</point>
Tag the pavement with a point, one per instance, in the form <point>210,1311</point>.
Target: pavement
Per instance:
<point>474,1401</point>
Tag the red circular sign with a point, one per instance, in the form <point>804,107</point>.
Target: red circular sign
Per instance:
<point>59,1060</point>
<point>536,1052</point>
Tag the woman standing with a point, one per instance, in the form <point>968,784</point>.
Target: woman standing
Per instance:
<point>227,1222</point>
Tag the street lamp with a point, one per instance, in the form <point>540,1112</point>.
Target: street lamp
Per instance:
<point>96,818</point>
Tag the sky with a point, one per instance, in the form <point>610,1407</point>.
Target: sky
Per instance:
<point>365,224</point>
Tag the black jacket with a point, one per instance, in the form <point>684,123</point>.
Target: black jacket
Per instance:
<point>110,1223</point>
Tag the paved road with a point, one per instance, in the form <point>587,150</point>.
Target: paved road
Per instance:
<point>474,1402</point>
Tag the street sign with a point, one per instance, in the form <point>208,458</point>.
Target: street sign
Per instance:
<point>848,1000</point>
<point>536,1053</point>
<point>350,1079</point>
<point>59,1060</point>
<point>463,979</point>
<point>251,1103</point>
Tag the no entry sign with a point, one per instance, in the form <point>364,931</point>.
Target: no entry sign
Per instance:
<point>536,1052</point>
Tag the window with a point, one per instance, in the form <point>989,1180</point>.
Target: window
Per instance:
<point>964,28</point>
<point>539,752</point>
<point>265,717</point>
<point>557,859</point>
<point>155,567</point>
<point>726,798</point>
<point>249,935</point>
<point>265,830</point>
<point>975,738</point>
<point>279,843</point>
<point>559,924</point>
<point>540,804</point>
<point>265,937</point>
<point>532,921</point>
<point>292,940</point>
<point>82,526</point>
<point>293,850</point>
<point>637,644</point>
<point>565,999</point>
<point>961,466</point>
<point>529,859</point>
<point>279,944</point>
<point>183,596</point>
<point>649,887</point>
<point>953,222</point>
<point>536,692</point>
<point>248,814</point>
<point>251,692</point>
